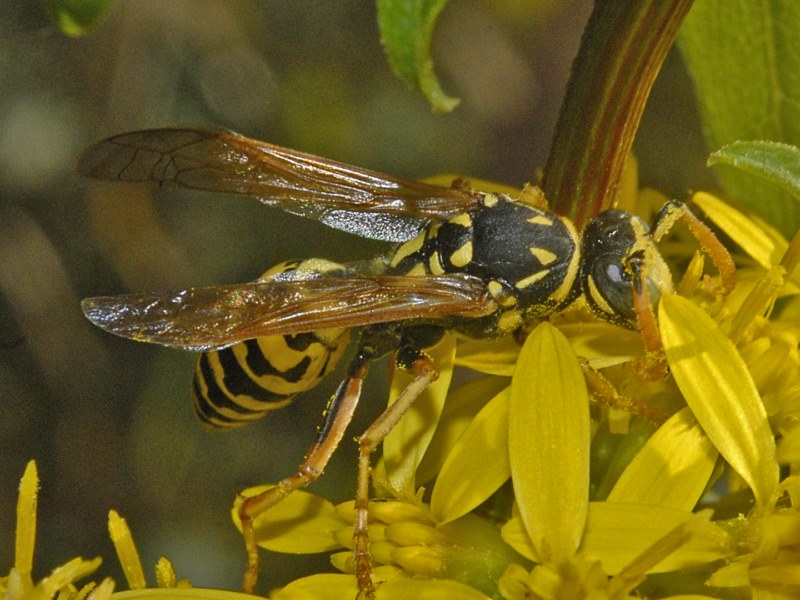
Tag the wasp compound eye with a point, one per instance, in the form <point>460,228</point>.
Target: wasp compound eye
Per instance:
<point>609,290</point>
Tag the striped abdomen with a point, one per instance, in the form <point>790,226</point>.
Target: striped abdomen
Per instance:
<point>242,383</point>
<point>239,384</point>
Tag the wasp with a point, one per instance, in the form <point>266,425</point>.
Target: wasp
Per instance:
<point>479,264</point>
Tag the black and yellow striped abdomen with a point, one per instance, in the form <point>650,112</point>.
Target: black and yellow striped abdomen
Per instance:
<point>239,384</point>
<point>242,383</point>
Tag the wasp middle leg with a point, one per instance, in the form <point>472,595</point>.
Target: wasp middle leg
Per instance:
<point>425,373</point>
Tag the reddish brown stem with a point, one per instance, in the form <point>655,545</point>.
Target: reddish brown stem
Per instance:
<point>622,50</point>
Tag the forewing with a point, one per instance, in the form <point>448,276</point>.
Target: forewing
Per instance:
<point>357,200</point>
<point>214,317</point>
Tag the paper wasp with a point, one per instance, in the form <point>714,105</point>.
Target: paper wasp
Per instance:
<point>479,264</point>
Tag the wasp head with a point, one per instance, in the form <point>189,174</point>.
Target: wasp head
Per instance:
<point>618,253</point>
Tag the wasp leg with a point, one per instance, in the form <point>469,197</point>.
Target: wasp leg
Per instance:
<point>674,210</point>
<point>654,364</point>
<point>338,415</point>
<point>425,373</point>
<point>604,392</point>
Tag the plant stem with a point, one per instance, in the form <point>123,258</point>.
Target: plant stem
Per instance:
<point>621,52</point>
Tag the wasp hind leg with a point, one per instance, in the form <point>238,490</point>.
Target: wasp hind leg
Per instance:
<point>425,373</point>
<point>338,415</point>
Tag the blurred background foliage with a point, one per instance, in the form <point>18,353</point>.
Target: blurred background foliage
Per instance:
<point>110,422</point>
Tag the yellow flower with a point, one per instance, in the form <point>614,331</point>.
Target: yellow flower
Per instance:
<point>61,583</point>
<point>18,584</point>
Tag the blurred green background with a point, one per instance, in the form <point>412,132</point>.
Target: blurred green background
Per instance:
<point>109,421</point>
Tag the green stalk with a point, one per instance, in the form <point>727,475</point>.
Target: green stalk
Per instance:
<point>621,52</point>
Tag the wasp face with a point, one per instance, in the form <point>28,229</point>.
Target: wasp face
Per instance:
<point>617,253</point>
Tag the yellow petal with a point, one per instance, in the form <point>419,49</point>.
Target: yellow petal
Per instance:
<point>493,357</point>
<point>764,244</point>
<point>720,391</point>
<point>26,525</point>
<point>127,553</point>
<point>165,573</point>
<point>789,447</point>
<point>478,464</point>
<point>548,438</point>
<point>602,344</point>
<point>514,534</point>
<point>187,593</point>
<point>63,576</point>
<point>426,589</point>
<point>336,587</point>
<point>405,445</point>
<point>618,533</point>
<point>785,577</point>
<point>462,405</point>
<point>302,523</point>
<point>673,467</point>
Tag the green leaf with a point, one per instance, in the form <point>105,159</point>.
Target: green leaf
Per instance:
<point>548,438</point>
<point>406,30</point>
<point>744,58</point>
<point>775,162</point>
<point>75,17</point>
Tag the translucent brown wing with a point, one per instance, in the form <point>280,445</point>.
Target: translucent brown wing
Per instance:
<point>357,200</point>
<point>213,317</point>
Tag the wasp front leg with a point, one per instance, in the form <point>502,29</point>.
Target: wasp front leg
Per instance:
<point>338,415</point>
<point>425,374</point>
<point>675,210</point>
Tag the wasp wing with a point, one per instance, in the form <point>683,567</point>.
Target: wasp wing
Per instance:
<point>215,317</point>
<point>350,198</point>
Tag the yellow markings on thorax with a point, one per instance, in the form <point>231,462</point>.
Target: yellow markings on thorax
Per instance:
<point>463,256</point>
<point>509,321</point>
<point>463,219</point>
<point>435,264</point>
<point>573,267</point>
<point>418,270</point>
<point>543,255</point>
<point>407,249</point>
<point>501,296</point>
<point>490,200</point>
<point>540,220</point>
<point>531,279</point>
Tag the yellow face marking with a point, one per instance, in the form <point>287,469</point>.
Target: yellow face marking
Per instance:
<point>435,264</point>
<point>544,256</point>
<point>407,249</point>
<point>509,321</point>
<point>597,297</point>
<point>540,220</point>
<point>462,257</point>
<point>531,279</point>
